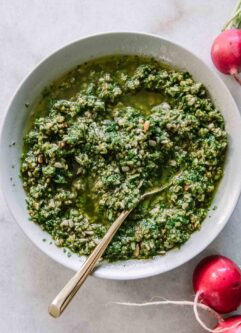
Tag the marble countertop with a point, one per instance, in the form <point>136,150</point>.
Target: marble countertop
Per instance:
<point>29,31</point>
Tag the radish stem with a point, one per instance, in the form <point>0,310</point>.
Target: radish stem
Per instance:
<point>234,22</point>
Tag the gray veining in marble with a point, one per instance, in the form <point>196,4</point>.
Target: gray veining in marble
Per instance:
<point>29,31</point>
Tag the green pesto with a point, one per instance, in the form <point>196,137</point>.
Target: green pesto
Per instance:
<point>110,130</point>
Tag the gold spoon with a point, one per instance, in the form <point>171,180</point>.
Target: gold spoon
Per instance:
<point>64,297</point>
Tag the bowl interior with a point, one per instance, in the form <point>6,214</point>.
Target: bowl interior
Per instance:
<point>84,50</point>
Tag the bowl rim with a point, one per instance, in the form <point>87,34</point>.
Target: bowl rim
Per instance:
<point>98,273</point>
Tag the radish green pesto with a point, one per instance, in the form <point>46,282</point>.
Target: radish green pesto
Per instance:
<point>110,130</point>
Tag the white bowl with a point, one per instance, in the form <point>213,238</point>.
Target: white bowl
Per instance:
<point>107,44</point>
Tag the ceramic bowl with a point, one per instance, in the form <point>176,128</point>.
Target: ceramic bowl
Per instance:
<point>108,44</point>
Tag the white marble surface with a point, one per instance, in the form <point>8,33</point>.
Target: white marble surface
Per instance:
<point>29,31</point>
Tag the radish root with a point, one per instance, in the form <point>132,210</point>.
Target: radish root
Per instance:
<point>237,78</point>
<point>196,304</point>
<point>199,320</point>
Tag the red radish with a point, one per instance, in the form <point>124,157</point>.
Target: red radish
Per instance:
<point>217,280</point>
<point>230,325</point>
<point>226,49</point>
<point>226,52</point>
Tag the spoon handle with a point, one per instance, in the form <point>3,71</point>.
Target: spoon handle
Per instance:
<point>64,297</point>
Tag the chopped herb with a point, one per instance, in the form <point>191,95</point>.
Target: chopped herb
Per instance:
<point>12,144</point>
